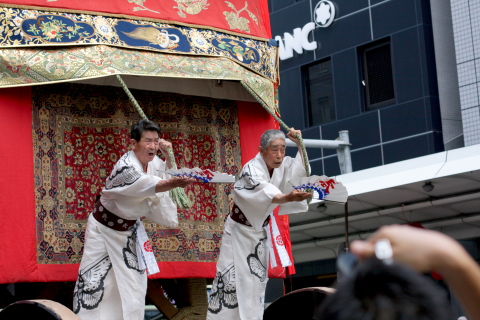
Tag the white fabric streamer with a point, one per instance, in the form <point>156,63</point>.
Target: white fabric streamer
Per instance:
<point>273,260</point>
<point>146,258</point>
<point>279,244</point>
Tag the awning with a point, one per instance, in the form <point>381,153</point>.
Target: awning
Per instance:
<point>394,193</point>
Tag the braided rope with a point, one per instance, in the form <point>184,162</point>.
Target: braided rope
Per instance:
<point>177,194</point>
<point>132,98</point>
<point>269,110</point>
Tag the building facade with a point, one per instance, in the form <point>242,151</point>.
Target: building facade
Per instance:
<point>383,70</point>
<point>466,30</point>
<point>403,77</point>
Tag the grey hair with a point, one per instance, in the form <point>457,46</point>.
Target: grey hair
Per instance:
<point>269,136</point>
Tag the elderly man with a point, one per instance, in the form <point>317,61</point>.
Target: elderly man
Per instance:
<point>112,281</point>
<point>242,270</point>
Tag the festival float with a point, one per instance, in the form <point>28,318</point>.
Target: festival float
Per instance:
<point>206,71</point>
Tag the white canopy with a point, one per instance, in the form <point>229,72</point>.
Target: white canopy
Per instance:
<point>393,193</point>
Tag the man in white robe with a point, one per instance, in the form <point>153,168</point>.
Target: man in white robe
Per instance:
<point>112,281</point>
<point>238,290</point>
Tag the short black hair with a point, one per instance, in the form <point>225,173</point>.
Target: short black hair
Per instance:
<point>142,126</point>
<point>379,291</point>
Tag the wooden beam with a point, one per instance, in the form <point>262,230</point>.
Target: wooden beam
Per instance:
<point>155,293</point>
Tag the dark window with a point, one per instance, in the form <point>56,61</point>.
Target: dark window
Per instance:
<point>320,97</point>
<point>378,75</point>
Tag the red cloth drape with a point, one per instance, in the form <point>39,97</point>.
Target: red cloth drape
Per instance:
<point>17,198</point>
<point>254,120</point>
<point>18,261</point>
<point>252,19</point>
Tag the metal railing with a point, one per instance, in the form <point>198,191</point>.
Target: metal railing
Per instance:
<point>342,144</point>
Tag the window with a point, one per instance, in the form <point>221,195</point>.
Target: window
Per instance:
<point>320,97</point>
<point>378,81</point>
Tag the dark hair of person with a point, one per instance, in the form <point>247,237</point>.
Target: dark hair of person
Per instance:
<point>379,291</point>
<point>142,126</point>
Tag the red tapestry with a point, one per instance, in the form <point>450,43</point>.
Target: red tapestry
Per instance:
<point>80,131</point>
<point>248,17</point>
<point>21,225</point>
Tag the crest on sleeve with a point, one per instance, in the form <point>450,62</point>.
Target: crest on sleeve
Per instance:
<point>124,177</point>
<point>247,180</point>
<point>89,288</point>
<point>224,291</point>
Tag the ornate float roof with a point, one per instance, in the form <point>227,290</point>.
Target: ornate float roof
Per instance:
<point>52,41</point>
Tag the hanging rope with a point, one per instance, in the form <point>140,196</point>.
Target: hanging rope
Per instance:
<point>273,114</point>
<point>177,194</point>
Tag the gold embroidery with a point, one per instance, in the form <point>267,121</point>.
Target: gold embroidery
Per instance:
<point>155,36</point>
<point>110,31</point>
<point>237,22</point>
<point>142,7</point>
<point>191,6</point>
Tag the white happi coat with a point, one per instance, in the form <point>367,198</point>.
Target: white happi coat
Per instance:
<point>111,285</point>
<point>238,290</point>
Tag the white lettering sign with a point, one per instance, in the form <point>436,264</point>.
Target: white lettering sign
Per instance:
<point>298,41</point>
<point>323,15</point>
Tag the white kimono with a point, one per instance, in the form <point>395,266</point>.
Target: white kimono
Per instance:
<point>238,290</point>
<point>111,284</point>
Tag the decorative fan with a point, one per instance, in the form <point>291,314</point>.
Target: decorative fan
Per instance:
<point>327,188</point>
<point>206,175</point>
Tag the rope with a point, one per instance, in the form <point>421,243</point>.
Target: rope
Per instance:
<point>177,194</point>
<point>132,98</point>
<point>273,114</point>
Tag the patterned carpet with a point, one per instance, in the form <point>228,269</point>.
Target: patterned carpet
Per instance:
<point>80,131</point>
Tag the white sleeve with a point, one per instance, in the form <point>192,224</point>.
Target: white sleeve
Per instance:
<point>253,195</point>
<point>128,180</point>
<point>130,193</point>
<point>126,192</point>
<point>294,169</point>
<point>163,209</point>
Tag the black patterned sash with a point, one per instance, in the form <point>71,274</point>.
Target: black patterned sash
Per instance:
<point>238,216</point>
<point>111,220</point>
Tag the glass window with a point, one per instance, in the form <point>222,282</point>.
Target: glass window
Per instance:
<point>378,81</point>
<point>320,97</point>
